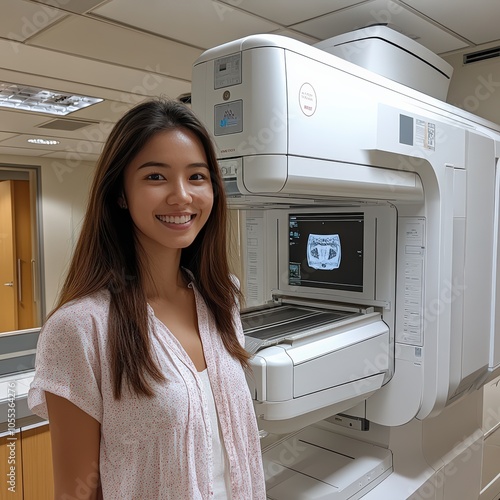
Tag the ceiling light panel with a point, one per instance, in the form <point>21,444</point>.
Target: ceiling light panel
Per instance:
<point>22,97</point>
<point>46,142</point>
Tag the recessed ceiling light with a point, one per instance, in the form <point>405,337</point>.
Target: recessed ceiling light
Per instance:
<point>46,142</point>
<point>42,101</point>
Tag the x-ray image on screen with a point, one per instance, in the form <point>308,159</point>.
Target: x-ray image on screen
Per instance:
<point>323,251</point>
<point>326,251</point>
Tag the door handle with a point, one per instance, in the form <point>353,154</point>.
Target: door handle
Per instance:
<point>10,283</point>
<point>19,281</point>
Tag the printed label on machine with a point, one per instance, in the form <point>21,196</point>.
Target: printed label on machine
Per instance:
<point>307,99</point>
<point>425,134</point>
<point>227,71</point>
<point>228,118</point>
<point>255,258</point>
<point>411,269</point>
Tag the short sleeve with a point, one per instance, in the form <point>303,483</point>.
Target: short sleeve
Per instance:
<point>67,362</point>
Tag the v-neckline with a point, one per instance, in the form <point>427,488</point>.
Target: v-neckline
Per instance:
<point>183,354</point>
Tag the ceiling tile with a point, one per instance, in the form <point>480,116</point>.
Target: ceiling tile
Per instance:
<point>476,21</point>
<point>287,12</point>
<point>107,111</point>
<point>21,20</point>
<point>76,6</point>
<point>202,23</point>
<point>73,69</point>
<point>128,48</point>
<point>382,12</point>
<point>29,123</point>
<point>118,98</point>
<point>12,121</point>
<point>61,155</point>
<point>4,135</point>
<point>20,151</point>
<point>296,36</point>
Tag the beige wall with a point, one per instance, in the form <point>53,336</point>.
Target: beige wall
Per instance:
<point>475,87</point>
<point>64,189</point>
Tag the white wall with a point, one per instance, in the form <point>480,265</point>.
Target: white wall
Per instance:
<point>475,87</point>
<point>64,190</point>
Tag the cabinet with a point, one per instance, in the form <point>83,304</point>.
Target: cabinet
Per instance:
<point>38,483</point>
<point>11,470</point>
<point>29,452</point>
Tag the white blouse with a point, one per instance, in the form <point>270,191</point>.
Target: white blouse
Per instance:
<point>222,481</point>
<point>159,448</point>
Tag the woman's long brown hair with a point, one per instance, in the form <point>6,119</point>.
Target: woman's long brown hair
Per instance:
<point>107,254</point>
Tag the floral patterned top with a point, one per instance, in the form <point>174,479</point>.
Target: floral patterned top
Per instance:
<point>161,447</point>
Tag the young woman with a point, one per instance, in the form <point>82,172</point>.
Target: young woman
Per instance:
<point>140,368</point>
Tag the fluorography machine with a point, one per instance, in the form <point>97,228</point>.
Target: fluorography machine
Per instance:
<point>369,254</point>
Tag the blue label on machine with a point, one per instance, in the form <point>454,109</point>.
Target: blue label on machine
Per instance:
<point>228,118</point>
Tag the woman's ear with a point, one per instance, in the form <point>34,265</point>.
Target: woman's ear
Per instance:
<point>122,203</point>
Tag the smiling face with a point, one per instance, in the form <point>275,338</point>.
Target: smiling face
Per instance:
<point>168,191</point>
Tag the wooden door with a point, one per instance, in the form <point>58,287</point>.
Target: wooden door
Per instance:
<point>8,289</point>
<point>26,312</point>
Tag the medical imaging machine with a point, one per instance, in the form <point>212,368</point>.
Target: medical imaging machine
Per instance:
<point>369,254</point>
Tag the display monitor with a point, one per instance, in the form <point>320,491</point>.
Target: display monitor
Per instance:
<point>326,250</point>
<point>342,254</point>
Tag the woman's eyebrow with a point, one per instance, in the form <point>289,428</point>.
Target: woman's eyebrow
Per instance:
<point>166,165</point>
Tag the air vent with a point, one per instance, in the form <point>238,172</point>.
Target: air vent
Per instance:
<point>185,98</point>
<point>481,55</point>
<point>67,125</point>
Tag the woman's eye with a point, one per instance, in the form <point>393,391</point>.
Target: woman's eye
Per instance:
<point>155,177</point>
<point>198,177</point>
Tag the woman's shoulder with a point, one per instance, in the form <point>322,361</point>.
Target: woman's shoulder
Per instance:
<point>96,301</point>
<point>89,311</point>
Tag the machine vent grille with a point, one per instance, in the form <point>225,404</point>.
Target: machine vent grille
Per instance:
<point>67,125</point>
<point>481,55</point>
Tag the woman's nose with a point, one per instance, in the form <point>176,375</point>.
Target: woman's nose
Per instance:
<point>179,193</point>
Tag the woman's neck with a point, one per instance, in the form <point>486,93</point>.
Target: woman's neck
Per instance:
<point>162,275</point>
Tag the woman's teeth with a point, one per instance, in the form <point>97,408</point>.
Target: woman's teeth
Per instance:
<point>178,219</point>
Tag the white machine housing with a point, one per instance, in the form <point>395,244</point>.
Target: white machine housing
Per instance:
<point>300,131</point>
<point>296,126</point>
<point>388,52</point>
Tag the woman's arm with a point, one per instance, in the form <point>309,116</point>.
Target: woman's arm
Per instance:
<point>75,438</point>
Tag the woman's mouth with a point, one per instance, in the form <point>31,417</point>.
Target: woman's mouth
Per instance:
<point>175,219</point>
